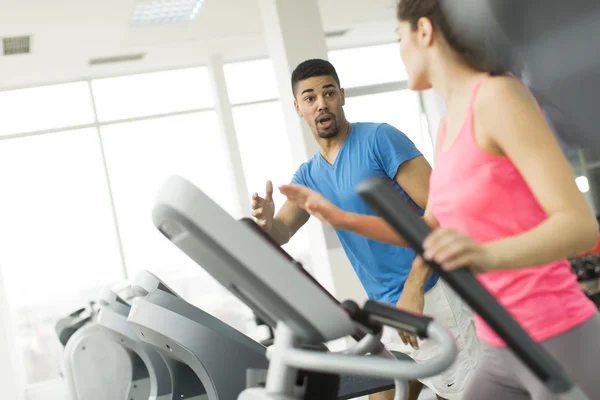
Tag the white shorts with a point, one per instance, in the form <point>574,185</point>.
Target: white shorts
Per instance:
<point>446,308</point>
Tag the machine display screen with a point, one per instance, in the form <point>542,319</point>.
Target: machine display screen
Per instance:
<point>260,232</point>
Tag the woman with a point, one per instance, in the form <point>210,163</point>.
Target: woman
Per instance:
<point>508,207</point>
<point>506,203</point>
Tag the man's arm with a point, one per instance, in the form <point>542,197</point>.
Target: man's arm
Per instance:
<point>413,176</point>
<point>287,222</point>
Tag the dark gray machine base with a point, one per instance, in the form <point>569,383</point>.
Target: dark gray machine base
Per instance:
<point>218,355</point>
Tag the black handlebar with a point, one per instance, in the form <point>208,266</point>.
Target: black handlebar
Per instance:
<point>383,198</point>
<point>402,320</point>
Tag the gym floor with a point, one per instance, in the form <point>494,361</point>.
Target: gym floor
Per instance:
<point>426,394</point>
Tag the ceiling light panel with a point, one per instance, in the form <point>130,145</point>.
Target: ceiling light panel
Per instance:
<point>152,12</point>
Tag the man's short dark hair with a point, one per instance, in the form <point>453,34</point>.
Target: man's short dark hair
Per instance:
<point>311,68</point>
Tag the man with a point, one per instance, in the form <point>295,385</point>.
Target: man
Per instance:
<point>348,154</point>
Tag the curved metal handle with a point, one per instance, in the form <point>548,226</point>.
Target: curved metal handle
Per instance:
<point>377,366</point>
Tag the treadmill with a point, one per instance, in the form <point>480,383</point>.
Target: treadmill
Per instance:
<point>240,256</point>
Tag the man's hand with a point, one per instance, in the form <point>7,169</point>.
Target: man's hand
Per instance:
<point>313,203</point>
<point>263,209</point>
<point>412,300</point>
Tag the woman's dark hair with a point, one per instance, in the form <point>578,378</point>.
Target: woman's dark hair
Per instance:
<point>469,29</point>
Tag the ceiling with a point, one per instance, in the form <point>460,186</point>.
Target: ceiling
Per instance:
<point>66,34</point>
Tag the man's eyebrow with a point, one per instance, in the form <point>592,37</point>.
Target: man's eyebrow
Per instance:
<point>307,90</point>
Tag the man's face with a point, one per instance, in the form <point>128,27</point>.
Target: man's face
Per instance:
<point>319,101</point>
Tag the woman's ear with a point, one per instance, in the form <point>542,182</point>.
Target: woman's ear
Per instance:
<point>425,31</point>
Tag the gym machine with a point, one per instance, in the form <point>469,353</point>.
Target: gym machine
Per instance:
<point>94,366</point>
<point>67,326</point>
<point>384,199</point>
<point>164,378</point>
<point>136,371</point>
<point>223,360</point>
<point>241,257</point>
<point>215,354</point>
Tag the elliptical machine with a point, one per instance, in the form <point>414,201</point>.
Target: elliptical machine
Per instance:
<point>283,294</point>
<point>240,256</point>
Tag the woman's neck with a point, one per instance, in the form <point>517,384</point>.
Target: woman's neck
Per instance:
<point>452,78</point>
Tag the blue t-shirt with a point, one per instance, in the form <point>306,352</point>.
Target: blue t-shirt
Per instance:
<point>370,149</point>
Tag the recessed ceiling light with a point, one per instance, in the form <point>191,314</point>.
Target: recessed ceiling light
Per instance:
<point>149,12</point>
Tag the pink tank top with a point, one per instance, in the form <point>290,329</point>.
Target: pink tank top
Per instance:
<point>484,195</point>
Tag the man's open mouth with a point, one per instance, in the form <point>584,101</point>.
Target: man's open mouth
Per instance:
<point>325,122</point>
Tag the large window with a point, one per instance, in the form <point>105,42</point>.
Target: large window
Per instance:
<point>140,156</point>
<point>58,237</point>
<point>363,66</point>
<point>262,136</point>
<point>45,107</point>
<point>399,108</point>
<point>250,81</point>
<point>153,93</point>
<point>265,151</point>
<point>78,203</point>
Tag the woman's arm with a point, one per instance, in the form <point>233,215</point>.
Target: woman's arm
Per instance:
<point>515,127</point>
<point>377,228</point>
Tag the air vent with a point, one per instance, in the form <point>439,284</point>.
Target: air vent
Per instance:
<point>116,59</point>
<point>337,33</point>
<point>16,45</point>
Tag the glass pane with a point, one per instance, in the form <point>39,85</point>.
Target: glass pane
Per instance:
<point>45,107</point>
<point>251,81</point>
<point>59,245</point>
<point>153,93</point>
<point>140,156</point>
<point>266,156</point>
<point>382,63</point>
<point>399,108</point>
